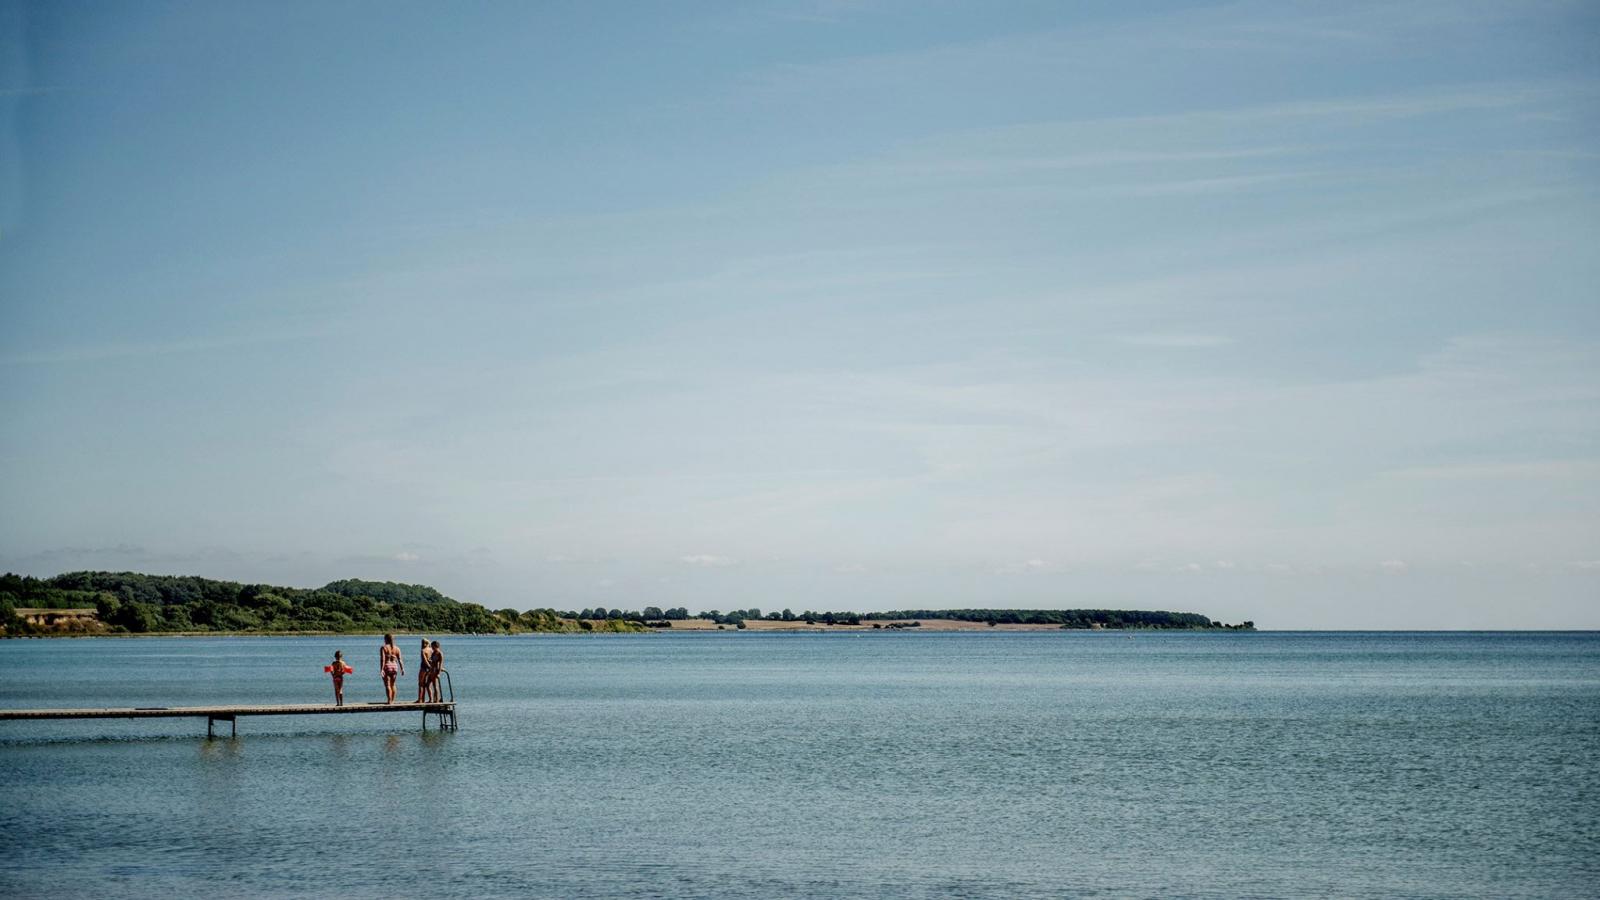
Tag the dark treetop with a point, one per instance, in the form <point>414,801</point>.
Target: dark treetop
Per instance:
<point>130,602</point>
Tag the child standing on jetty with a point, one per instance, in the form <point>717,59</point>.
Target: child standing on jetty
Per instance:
<point>422,673</point>
<point>435,664</point>
<point>338,670</point>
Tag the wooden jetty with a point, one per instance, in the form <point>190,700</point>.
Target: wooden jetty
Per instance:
<point>444,712</point>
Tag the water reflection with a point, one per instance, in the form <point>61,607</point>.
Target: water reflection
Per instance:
<point>220,749</point>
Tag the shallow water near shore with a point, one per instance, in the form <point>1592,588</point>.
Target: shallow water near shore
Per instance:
<point>805,765</point>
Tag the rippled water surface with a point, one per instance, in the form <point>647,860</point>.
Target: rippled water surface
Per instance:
<point>896,765</point>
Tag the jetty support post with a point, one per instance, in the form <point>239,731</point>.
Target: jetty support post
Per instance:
<point>444,717</point>
<point>231,720</point>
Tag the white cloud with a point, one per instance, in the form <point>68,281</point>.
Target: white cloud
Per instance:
<point>1028,565</point>
<point>709,560</point>
<point>1394,565</point>
<point>1586,565</point>
<point>406,556</point>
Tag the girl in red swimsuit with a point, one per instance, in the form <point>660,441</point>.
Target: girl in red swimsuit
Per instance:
<point>338,677</point>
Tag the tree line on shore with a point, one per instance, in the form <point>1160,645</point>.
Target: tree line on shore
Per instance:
<point>134,603</point>
<point>1072,618</point>
<point>1064,618</point>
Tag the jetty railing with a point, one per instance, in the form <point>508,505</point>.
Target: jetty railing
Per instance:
<point>445,710</point>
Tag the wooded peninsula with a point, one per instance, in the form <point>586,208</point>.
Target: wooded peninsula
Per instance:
<point>85,603</point>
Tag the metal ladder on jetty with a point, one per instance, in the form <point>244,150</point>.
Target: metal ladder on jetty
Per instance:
<point>446,716</point>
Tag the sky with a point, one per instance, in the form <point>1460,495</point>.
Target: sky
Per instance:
<point>1272,311</point>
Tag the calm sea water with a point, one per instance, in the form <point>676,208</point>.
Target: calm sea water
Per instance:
<point>881,765</point>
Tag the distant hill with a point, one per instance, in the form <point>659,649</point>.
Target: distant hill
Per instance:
<point>131,602</point>
<point>1071,618</point>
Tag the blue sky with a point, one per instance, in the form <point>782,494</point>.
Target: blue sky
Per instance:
<point>1285,312</point>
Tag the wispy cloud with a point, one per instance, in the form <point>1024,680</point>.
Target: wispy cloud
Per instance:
<point>709,560</point>
<point>1175,340</point>
<point>99,352</point>
<point>59,554</point>
<point>1534,470</point>
<point>30,91</point>
<point>821,13</point>
<point>1187,187</point>
<point>1169,45</point>
<point>1014,152</point>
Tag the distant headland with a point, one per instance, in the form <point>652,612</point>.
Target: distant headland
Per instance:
<point>90,603</point>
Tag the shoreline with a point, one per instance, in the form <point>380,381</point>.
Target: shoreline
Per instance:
<point>806,629</point>
<point>680,626</point>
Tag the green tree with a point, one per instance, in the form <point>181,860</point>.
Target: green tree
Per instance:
<point>138,617</point>
<point>106,608</point>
